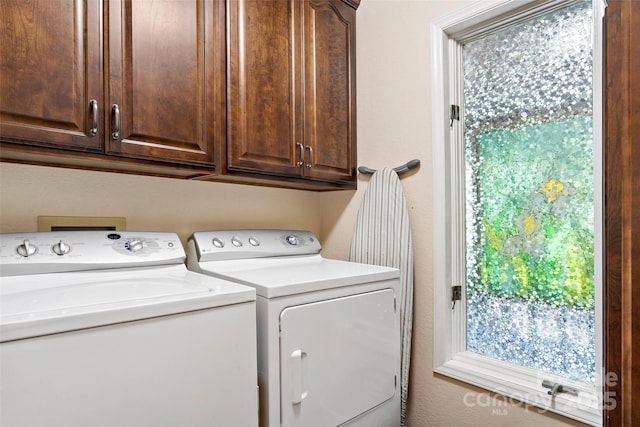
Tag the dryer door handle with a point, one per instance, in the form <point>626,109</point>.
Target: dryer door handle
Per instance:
<point>297,386</point>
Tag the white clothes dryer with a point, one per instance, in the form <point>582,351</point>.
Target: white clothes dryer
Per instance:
<point>111,329</point>
<point>328,330</point>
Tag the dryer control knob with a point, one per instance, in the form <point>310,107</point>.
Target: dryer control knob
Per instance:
<point>218,243</point>
<point>26,249</point>
<point>134,245</point>
<point>61,248</point>
<point>292,240</point>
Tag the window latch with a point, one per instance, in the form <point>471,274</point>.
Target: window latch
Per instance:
<point>558,388</point>
<point>456,295</point>
<point>454,114</point>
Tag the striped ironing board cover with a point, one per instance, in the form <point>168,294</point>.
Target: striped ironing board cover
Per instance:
<point>382,236</point>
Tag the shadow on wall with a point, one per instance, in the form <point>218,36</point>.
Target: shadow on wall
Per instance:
<point>337,215</point>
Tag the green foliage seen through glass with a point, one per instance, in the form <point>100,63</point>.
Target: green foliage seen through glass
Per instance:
<point>534,188</point>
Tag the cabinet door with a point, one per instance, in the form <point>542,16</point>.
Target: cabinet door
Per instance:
<point>50,73</point>
<point>165,61</point>
<point>264,87</point>
<point>330,109</point>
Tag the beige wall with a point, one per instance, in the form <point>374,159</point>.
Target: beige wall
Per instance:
<point>394,126</point>
<point>148,203</point>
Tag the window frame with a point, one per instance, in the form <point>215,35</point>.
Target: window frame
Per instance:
<point>521,385</point>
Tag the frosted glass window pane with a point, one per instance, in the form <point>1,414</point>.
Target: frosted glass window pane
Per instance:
<point>529,191</point>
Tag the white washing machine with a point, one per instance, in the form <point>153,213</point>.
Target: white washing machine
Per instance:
<point>328,330</point>
<point>111,329</point>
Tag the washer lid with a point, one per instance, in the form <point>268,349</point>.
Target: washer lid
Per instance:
<point>280,276</point>
<point>43,304</point>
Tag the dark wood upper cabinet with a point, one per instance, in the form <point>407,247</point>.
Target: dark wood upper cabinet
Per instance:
<point>135,86</point>
<point>50,73</point>
<point>291,89</point>
<point>239,90</point>
<point>330,97</point>
<point>164,85</point>
<point>263,107</point>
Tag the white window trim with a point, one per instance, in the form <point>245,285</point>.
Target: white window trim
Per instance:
<point>522,385</point>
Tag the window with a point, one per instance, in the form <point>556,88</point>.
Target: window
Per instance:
<point>517,209</point>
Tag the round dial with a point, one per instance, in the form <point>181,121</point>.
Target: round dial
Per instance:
<point>26,249</point>
<point>134,245</point>
<point>292,240</point>
<point>61,248</point>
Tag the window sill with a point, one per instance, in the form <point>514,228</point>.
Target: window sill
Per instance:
<point>520,386</point>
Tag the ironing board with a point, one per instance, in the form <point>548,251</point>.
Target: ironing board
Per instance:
<point>382,236</point>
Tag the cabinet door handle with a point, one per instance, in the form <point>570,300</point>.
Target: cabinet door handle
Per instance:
<point>115,115</point>
<point>308,147</point>
<point>93,110</point>
<point>300,154</point>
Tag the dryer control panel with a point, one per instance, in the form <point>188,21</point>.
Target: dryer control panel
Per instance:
<point>253,243</point>
<point>61,251</point>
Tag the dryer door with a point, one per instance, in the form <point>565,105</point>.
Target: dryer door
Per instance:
<point>339,358</point>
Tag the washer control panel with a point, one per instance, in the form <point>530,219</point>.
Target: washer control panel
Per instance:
<point>253,243</point>
<point>59,251</point>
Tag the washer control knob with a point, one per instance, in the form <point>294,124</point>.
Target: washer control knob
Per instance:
<point>292,240</point>
<point>26,249</point>
<point>134,245</point>
<point>253,241</point>
<point>236,242</point>
<point>61,248</point>
<point>218,243</point>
